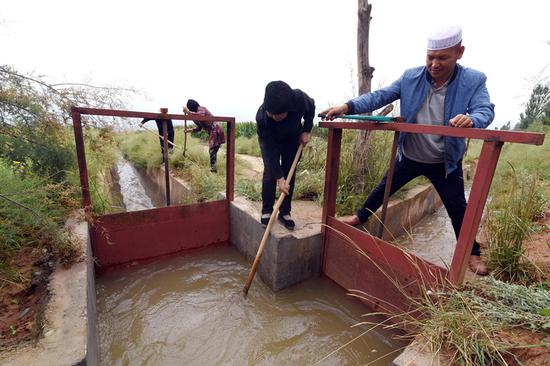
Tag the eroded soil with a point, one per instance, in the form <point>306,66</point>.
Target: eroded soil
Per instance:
<point>22,302</point>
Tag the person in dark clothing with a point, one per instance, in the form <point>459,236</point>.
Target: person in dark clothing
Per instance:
<point>280,131</point>
<point>170,130</point>
<point>215,131</point>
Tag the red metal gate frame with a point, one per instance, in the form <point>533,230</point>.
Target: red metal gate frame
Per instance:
<point>123,237</point>
<point>349,268</point>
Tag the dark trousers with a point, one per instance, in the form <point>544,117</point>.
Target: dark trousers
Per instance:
<point>269,183</point>
<point>213,156</point>
<point>170,130</point>
<point>450,189</point>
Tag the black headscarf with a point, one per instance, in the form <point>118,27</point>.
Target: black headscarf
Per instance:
<point>193,105</point>
<point>278,97</point>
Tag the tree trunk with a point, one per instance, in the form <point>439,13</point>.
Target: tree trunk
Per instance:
<point>363,67</point>
<point>365,72</point>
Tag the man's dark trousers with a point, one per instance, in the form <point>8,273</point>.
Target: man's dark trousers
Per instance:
<point>269,183</point>
<point>450,189</point>
<point>170,130</point>
<point>213,151</point>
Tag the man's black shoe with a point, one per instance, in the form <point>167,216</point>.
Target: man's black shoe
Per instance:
<point>265,219</point>
<point>287,221</point>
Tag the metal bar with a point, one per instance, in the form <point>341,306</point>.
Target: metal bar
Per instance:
<point>334,142</point>
<point>81,156</point>
<point>389,180</point>
<point>474,210</point>
<point>165,158</point>
<point>475,133</point>
<point>184,137</point>
<point>134,114</point>
<point>128,236</point>
<point>230,162</point>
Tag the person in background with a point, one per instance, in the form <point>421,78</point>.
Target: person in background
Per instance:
<point>280,132</point>
<point>169,127</point>
<point>440,93</point>
<point>214,130</point>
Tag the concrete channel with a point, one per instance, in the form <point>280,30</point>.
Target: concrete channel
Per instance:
<point>70,336</point>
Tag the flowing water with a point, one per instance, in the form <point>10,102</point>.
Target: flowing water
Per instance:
<point>133,193</point>
<point>190,310</point>
<point>433,238</point>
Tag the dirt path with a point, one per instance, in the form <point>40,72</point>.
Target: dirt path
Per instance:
<point>254,166</point>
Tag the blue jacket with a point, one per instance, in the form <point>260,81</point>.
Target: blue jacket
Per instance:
<point>466,94</point>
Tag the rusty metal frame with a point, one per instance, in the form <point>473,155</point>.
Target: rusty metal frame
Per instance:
<point>122,237</point>
<point>384,274</point>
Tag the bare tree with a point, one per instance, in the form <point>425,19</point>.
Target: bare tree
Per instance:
<point>365,71</point>
<point>363,28</point>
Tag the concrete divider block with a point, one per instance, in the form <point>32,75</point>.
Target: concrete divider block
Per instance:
<point>289,257</point>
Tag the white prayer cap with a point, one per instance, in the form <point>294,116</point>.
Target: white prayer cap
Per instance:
<point>444,38</point>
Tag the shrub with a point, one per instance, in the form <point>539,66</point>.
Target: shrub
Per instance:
<point>32,211</point>
<point>509,220</point>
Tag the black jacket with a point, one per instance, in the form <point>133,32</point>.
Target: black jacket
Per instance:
<point>272,134</point>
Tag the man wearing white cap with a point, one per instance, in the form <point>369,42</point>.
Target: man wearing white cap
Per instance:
<point>441,93</point>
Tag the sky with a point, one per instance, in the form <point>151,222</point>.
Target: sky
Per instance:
<point>223,53</point>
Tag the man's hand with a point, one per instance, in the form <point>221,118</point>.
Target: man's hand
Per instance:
<point>305,137</point>
<point>461,120</point>
<point>185,110</point>
<point>334,112</point>
<point>283,187</point>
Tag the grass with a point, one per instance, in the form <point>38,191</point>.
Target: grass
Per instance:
<point>101,156</point>
<point>248,146</point>
<point>509,221</point>
<point>32,212</point>
<point>519,195</point>
<point>473,324</point>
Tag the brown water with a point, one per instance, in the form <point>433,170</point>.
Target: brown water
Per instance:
<point>189,310</point>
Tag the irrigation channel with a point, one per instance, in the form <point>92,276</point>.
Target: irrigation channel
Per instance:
<point>189,310</point>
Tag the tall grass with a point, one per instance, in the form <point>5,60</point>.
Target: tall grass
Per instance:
<point>245,129</point>
<point>101,155</point>
<point>32,211</point>
<point>509,221</point>
<point>248,146</point>
<point>474,324</point>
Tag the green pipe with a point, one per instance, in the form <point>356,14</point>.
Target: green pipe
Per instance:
<point>367,118</point>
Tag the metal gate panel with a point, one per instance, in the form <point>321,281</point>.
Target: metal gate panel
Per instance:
<point>381,274</point>
<point>129,236</point>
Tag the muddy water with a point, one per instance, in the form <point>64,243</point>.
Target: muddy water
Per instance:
<point>189,310</point>
<point>133,193</point>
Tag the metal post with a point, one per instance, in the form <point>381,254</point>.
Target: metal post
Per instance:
<point>165,156</point>
<point>81,157</point>
<point>331,181</point>
<point>389,180</point>
<point>485,171</point>
<point>230,162</point>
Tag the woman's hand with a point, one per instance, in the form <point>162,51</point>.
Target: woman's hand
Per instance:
<point>283,187</point>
